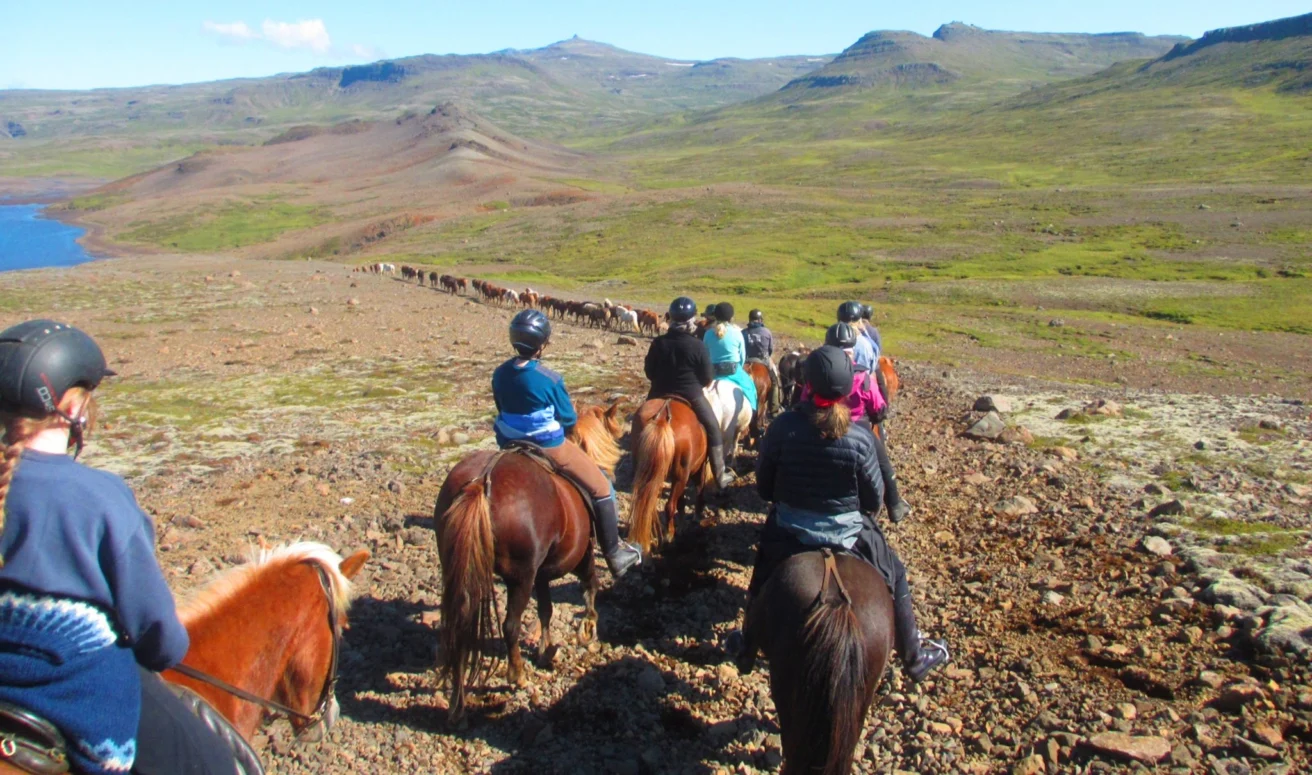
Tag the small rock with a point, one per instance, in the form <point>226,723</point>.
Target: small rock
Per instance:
<point>1257,749</point>
<point>1170,508</point>
<point>417,536</point>
<point>650,680</point>
<point>235,273</point>
<point>192,521</point>
<point>396,487</point>
<point>627,340</point>
<point>1017,506</point>
<point>1268,734</point>
<point>1053,598</point>
<point>989,427</point>
<point>726,673</point>
<point>1230,767</point>
<point>1126,710</point>
<point>1065,453</point>
<point>1235,697</point>
<point>993,404</point>
<point>201,567</point>
<point>459,437</point>
<point>352,302</point>
<point>314,310</point>
<point>1016,435</point>
<point>1030,765</point>
<point>1156,546</point>
<point>1270,424</point>
<point>977,479</point>
<point>1149,750</point>
<point>1056,323</point>
<point>1200,445</point>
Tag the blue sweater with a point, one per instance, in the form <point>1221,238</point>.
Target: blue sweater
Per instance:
<point>532,404</point>
<point>84,601</point>
<point>730,349</point>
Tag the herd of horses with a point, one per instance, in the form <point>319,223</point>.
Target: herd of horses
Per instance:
<point>265,636</point>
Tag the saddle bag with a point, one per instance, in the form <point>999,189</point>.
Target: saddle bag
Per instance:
<point>31,743</point>
<point>726,369</point>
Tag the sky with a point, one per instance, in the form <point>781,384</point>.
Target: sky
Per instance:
<point>82,44</point>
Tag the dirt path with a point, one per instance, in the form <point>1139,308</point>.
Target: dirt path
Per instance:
<point>289,400</point>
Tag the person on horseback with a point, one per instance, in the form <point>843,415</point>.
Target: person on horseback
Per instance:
<point>706,322</point>
<point>86,619</point>
<point>533,406</point>
<point>678,364</point>
<point>760,347</point>
<point>864,354</point>
<point>868,408</point>
<point>818,468</point>
<point>729,352</point>
<point>869,331</point>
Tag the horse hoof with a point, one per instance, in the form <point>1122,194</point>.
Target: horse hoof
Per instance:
<point>534,633</point>
<point>587,632</point>
<point>547,660</point>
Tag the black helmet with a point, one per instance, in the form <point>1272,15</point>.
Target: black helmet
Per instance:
<point>829,373</point>
<point>866,311</point>
<point>756,316</point>
<point>683,309</point>
<point>710,311</point>
<point>724,311</point>
<point>40,360</point>
<point>849,311</point>
<point>529,331</point>
<point>841,335</point>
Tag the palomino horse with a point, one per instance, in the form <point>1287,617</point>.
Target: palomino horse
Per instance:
<point>669,444</point>
<point>504,513</point>
<point>760,374</point>
<point>271,629</point>
<point>596,432</point>
<point>825,623</point>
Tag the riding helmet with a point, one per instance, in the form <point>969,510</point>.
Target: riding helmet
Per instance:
<point>529,331</point>
<point>829,373</point>
<point>724,311</point>
<point>849,311</point>
<point>40,360</point>
<point>866,311</point>
<point>683,309</point>
<point>841,335</point>
<point>756,316</point>
<point>710,311</point>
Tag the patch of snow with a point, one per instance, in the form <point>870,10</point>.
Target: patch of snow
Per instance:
<point>680,64</point>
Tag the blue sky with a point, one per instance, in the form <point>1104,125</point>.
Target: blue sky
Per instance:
<point>78,44</point>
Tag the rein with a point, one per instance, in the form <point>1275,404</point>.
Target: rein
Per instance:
<point>329,686</point>
<point>831,572</point>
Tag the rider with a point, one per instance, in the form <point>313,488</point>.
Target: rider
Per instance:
<point>760,347</point>
<point>864,354</point>
<point>867,406</point>
<point>706,322</point>
<point>533,406</point>
<point>678,364</point>
<point>819,470</point>
<point>86,619</point>
<point>729,352</point>
<point>869,331</point>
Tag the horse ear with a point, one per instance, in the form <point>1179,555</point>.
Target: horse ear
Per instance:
<point>614,409</point>
<point>352,565</point>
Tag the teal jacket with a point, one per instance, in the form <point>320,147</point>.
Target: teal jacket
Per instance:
<point>730,349</point>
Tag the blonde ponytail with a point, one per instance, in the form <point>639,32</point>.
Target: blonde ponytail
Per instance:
<point>720,328</point>
<point>832,421</point>
<point>18,430</point>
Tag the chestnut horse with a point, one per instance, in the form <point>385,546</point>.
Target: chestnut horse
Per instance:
<point>825,623</point>
<point>271,628</point>
<point>668,445</point>
<point>760,374</point>
<point>596,432</point>
<point>504,514</point>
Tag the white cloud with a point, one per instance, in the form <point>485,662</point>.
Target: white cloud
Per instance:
<point>309,33</point>
<point>235,30</point>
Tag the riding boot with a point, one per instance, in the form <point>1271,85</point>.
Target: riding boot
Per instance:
<point>919,655</point>
<point>722,477</point>
<point>620,556</point>
<point>898,509</point>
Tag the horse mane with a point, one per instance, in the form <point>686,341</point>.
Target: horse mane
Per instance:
<point>594,437</point>
<point>261,560</point>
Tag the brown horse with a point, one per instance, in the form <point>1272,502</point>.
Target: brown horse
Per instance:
<point>791,375</point>
<point>669,444</point>
<point>272,628</point>
<point>760,374</point>
<point>891,380</point>
<point>596,432</point>
<point>825,623</point>
<point>504,513</point>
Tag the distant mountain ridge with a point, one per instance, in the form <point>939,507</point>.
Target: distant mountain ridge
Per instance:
<point>1279,29</point>
<point>957,51</point>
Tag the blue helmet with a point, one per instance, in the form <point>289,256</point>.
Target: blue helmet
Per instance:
<point>683,309</point>
<point>529,331</point>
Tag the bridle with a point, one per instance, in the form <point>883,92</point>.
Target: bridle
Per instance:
<point>330,683</point>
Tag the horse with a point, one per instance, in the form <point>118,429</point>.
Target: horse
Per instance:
<point>596,432</point>
<point>501,513</point>
<point>760,374</point>
<point>791,375</point>
<point>272,627</point>
<point>825,623</point>
<point>669,444</point>
<point>891,384</point>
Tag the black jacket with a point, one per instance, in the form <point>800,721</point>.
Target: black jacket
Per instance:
<point>678,364</point>
<point>800,468</point>
<point>759,340</point>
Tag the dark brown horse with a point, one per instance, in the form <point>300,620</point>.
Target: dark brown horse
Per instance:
<point>760,374</point>
<point>504,513</point>
<point>791,376</point>
<point>669,444</point>
<point>825,623</point>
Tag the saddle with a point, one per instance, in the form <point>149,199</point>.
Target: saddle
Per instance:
<point>34,745</point>
<point>535,453</point>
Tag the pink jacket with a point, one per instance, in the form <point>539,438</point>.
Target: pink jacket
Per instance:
<point>865,400</point>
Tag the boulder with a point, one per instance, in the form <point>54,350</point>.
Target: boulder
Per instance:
<point>1236,697</point>
<point>987,428</point>
<point>1168,509</point>
<point>1105,408</point>
<point>1149,750</point>
<point>627,340</point>
<point>993,404</point>
<point>1030,765</point>
<point>1156,546</point>
<point>1233,592</point>
<point>1018,434</point>
<point>1288,630</point>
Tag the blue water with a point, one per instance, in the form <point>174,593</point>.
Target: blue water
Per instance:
<point>28,241</point>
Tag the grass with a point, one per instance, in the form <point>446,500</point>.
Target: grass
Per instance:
<point>234,225</point>
<point>1224,526</point>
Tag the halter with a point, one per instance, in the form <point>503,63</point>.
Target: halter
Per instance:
<point>329,686</point>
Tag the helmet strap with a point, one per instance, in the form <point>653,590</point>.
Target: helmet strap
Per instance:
<point>76,432</point>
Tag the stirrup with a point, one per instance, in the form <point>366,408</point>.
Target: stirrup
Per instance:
<point>30,742</point>
<point>625,558</point>
<point>933,654</point>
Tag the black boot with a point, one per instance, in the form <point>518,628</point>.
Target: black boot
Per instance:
<point>919,656</point>
<point>722,478</point>
<point>620,557</point>
<point>899,511</point>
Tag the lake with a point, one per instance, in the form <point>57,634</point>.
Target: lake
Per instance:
<point>28,241</point>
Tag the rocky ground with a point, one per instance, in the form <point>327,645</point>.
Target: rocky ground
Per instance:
<point>1116,598</point>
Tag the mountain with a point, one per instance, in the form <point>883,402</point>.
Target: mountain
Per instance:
<point>964,53</point>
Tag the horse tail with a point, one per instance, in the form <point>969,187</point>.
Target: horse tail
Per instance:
<point>654,456</point>
<point>464,544</point>
<point>832,693</point>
